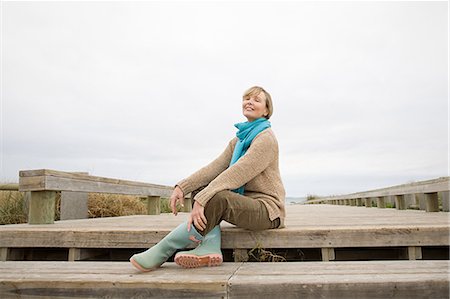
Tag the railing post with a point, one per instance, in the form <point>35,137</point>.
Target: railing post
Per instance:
<point>153,205</point>
<point>42,207</point>
<point>432,203</point>
<point>188,201</point>
<point>359,202</point>
<point>328,254</point>
<point>445,201</point>
<point>400,202</point>
<point>420,197</point>
<point>381,202</point>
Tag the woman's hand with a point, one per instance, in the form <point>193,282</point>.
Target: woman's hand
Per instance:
<point>177,196</point>
<point>197,217</point>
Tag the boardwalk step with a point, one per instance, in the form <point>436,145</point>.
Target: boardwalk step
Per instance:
<point>368,279</point>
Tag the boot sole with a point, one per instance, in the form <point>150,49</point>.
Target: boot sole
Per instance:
<point>139,267</point>
<point>194,261</point>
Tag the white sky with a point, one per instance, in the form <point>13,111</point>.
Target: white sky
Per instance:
<point>149,91</point>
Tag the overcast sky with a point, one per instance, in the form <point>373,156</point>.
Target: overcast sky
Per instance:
<point>150,91</point>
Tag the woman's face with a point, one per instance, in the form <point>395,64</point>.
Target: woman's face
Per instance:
<point>254,107</point>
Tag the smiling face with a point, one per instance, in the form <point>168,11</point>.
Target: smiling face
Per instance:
<point>254,106</point>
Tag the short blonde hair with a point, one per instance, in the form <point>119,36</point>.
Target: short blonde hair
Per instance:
<point>255,91</point>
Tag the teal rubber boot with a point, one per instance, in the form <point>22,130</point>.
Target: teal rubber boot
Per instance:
<point>208,253</point>
<point>154,257</point>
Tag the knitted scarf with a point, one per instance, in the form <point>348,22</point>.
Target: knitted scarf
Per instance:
<point>247,132</point>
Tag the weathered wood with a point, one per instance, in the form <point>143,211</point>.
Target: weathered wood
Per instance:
<point>359,279</point>
<point>429,186</point>
<point>111,280</point>
<point>74,254</point>
<point>420,197</point>
<point>347,280</point>
<point>187,205</point>
<point>42,207</point>
<point>400,203</point>
<point>153,205</point>
<point>381,202</point>
<point>328,254</point>
<point>240,255</point>
<point>432,202</point>
<point>445,201</point>
<point>45,179</point>
<point>307,226</point>
<point>74,205</point>
<point>4,254</point>
<point>414,253</point>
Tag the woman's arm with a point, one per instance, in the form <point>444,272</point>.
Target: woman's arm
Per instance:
<point>208,173</point>
<point>262,152</point>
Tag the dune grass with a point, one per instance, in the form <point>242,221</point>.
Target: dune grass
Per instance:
<point>13,209</point>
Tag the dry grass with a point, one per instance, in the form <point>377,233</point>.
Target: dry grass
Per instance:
<point>13,210</point>
<point>111,205</point>
<point>12,207</point>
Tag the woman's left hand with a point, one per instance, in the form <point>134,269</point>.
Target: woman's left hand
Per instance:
<point>197,217</point>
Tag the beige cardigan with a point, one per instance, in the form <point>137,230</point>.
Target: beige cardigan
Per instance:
<point>258,170</point>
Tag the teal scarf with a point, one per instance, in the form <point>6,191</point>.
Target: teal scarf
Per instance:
<point>247,132</point>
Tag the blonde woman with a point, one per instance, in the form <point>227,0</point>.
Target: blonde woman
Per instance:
<point>242,186</point>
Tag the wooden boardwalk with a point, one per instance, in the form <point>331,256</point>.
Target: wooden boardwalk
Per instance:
<point>373,279</point>
<point>333,231</point>
<point>327,228</point>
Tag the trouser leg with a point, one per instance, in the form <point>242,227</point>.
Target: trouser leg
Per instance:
<point>242,211</point>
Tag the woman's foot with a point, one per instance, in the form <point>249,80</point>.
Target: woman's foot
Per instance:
<point>208,253</point>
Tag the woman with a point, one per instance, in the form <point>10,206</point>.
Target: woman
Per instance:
<point>242,186</point>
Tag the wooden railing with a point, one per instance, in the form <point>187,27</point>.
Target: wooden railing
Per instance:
<point>424,195</point>
<point>43,184</point>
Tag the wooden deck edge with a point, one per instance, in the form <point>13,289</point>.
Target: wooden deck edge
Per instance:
<point>387,279</point>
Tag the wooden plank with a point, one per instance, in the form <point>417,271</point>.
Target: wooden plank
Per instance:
<point>341,280</point>
<point>232,238</point>
<point>307,226</point>
<point>428,186</point>
<point>66,184</point>
<point>366,279</point>
<point>111,280</point>
<point>36,183</point>
<point>55,175</point>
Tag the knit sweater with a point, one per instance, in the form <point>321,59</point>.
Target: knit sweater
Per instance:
<point>258,170</point>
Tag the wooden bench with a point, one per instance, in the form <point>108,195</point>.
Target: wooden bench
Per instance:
<point>374,279</point>
<point>43,184</point>
<point>423,195</point>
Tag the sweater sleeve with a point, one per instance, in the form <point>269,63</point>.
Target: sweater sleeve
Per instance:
<point>208,173</point>
<point>258,157</point>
